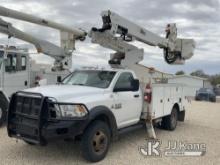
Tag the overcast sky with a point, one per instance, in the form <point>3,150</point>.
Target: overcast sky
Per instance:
<point>198,19</point>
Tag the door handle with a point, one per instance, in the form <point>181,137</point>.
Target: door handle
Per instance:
<point>136,95</point>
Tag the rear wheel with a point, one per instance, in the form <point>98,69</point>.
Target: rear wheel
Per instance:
<point>3,113</point>
<point>95,141</point>
<point>170,122</point>
<point>213,100</point>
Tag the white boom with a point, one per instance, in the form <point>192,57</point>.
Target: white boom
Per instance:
<point>176,50</point>
<point>33,19</point>
<point>62,55</point>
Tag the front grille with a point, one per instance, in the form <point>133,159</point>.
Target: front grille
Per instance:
<point>24,118</point>
<point>30,106</point>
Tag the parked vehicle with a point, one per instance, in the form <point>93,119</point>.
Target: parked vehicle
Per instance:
<point>95,106</point>
<point>16,74</point>
<point>206,95</point>
<point>217,91</point>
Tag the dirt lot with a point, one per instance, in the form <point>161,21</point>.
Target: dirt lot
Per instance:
<point>202,125</point>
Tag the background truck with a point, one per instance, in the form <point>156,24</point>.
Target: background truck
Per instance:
<point>16,71</point>
<point>97,105</point>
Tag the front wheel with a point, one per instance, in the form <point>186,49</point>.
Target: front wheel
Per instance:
<point>3,114</point>
<point>95,141</point>
<point>170,122</point>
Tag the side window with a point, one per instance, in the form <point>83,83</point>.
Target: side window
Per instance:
<point>124,82</point>
<point>10,63</point>
<point>23,63</point>
<point>15,62</point>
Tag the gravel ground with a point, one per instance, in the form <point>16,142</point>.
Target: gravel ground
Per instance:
<point>202,125</point>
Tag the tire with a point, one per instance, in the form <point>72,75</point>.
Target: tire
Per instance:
<point>213,100</point>
<point>96,141</point>
<point>3,113</point>
<point>170,122</point>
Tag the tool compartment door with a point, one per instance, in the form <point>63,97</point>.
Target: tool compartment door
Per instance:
<point>157,101</point>
<point>168,100</point>
<point>176,95</point>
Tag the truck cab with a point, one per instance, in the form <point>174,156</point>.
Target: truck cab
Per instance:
<point>66,110</point>
<point>14,75</point>
<point>14,68</point>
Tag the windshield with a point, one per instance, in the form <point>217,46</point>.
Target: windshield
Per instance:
<point>93,78</point>
<point>205,90</point>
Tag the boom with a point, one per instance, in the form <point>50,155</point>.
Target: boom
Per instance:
<point>176,50</point>
<point>41,45</point>
<point>69,35</point>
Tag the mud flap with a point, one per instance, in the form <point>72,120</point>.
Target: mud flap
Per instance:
<point>181,116</point>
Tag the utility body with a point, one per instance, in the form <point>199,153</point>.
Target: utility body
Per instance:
<point>97,105</point>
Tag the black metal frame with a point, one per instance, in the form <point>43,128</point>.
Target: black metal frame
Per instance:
<point>39,120</point>
<point>42,118</point>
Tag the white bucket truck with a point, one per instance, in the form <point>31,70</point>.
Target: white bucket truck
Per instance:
<point>97,105</point>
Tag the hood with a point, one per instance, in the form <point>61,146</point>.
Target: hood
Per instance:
<point>62,93</point>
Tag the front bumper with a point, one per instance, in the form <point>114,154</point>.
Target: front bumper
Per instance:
<point>63,129</point>
<point>50,132</point>
<point>28,119</point>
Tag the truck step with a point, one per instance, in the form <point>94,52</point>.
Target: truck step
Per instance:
<point>130,128</point>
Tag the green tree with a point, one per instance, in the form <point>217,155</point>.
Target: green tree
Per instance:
<point>199,73</point>
<point>215,79</point>
<point>181,72</point>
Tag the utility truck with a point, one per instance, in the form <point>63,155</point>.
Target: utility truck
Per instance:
<point>17,73</point>
<point>98,105</point>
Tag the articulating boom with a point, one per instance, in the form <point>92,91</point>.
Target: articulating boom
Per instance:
<point>176,50</point>
<point>62,55</point>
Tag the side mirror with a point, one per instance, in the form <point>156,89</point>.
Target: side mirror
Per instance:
<point>135,84</point>
<point>59,79</point>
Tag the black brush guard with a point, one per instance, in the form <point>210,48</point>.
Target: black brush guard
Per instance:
<point>26,115</point>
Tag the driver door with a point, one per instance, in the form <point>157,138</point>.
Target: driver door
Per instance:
<point>127,105</point>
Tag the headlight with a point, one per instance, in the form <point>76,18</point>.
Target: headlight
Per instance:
<point>70,110</point>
